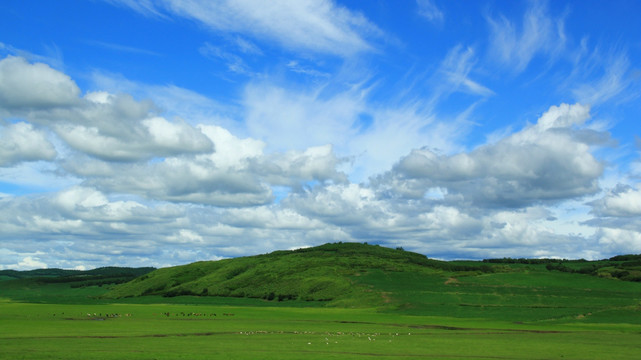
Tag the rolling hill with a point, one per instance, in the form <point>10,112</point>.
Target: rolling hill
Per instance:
<point>110,273</point>
<point>327,273</point>
<point>361,275</point>
<point>63,286</point>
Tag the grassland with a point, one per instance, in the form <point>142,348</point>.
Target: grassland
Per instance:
<point>160,331</point>
<point>374,303</point>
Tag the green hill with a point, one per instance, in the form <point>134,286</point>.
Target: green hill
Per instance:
<point>328,273</point>
<point>361,275</point>
<point>365,276</point>
<point>63,286</point>
<point>74,275</point>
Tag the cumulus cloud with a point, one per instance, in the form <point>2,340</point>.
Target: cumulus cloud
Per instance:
<point>339,204</point>
<point>83,226</point>
<point>617,218</point>
<point>118,128</point>
<point>617,241</point>
<point>434,226</point>
<point>294,168</point>
<point>119,144</point>
<point>319,26</point>
<point>147,187</point>
<point>24,85</point>
<point>545,161</point>
<point>29,262</point>
<point>173,179</point>
<point>622,201</point>
<point>22,142</point>
<point>108,126</point>
<point>239,173</point>
<point>269,218</point>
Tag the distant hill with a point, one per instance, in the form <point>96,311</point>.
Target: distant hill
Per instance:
<point>623,267</point>
<point>365,276</point>
<point>77,278</point>
<point>361,275</point>
<point>325,273</point>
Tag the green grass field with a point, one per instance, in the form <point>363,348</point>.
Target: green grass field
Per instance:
<point>161,331</point>
<point>351,302</point>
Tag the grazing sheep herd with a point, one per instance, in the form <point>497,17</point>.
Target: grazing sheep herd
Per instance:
<point>306,337</point>
<point>190,314</point>
<point>101,316</point>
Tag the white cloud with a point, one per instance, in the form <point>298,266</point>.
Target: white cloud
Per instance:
<point>108,126</point>
<point>431,12</point>
<point>173,101</point>
<point>351,207</point>
<point>597,79</point>
<point>184,180</point>
<point>22,142</point>
<point>238,173</point>
<point>161,175</point>
<point>319,26</point>
<point>288,119</point>
<point>185,236</point>
<point>31,263</point>
<point>269,218</point>
<point>231,152</point>
<point>124,48</point>
<point>517,44</point>
<point>619,241</point>
<point>234,63</point>
<point>24,85</point>
<point>546,161</point>
<point>456,68</point>
<point>245,46</point>
<point>294,167</point>
<point>117,128</point>
<point>622,201</point>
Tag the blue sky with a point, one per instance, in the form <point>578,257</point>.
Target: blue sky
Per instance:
<point>157,133</point>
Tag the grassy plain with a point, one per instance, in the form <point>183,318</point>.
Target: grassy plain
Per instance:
<point>350,302</point>
<point>160,331</point>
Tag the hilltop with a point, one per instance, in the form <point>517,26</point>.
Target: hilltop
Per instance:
<point>328,273</point>
<point>361,275</point>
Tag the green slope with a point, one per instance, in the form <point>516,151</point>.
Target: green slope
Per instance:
<point>327,273</point>
<point>360,275</point>
<point>63,286</point>
<point>366,276</point>
<point>76,275</point>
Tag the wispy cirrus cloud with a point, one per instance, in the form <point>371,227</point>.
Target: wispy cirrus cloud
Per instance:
<point>123,48</point>
<point>431,12</point>
<point>456,69</point>
<point>599,77</point>
<point>318,26</point>
<point>516,44</point>
<point>234,63</point>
